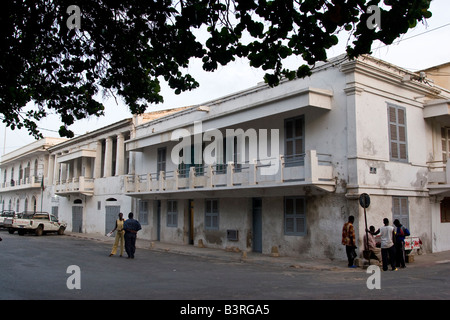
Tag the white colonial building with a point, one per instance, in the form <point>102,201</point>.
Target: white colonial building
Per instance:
<point>270,168</point>
<point>23,176</point>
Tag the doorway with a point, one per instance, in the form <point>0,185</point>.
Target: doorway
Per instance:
<point>191,221</point>
<point>111,215</point>
<point>77,219</point>
<point>257,224</point>
<point>158,220</point>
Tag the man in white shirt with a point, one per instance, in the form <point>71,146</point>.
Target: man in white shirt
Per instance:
<point>387,245</point>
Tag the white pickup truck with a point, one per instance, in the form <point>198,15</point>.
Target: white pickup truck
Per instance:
<point>4,215</point>
<point>34,222</point>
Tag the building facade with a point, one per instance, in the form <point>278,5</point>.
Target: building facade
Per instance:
<point>271,169</point>
<point>23,176</point>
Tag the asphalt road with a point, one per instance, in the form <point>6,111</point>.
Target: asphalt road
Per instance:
<point>39,268</point>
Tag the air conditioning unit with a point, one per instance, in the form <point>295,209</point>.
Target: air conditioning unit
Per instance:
<point>232,235</point>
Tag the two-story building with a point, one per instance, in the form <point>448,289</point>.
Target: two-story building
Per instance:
<point>282,168</point>
<point>271,169</point>
<point>23,172</point>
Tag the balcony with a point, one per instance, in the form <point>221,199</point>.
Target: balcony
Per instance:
<point>439,178</point>
<point>74,186</point>
<point>279,174</point>
<point>21,184</point>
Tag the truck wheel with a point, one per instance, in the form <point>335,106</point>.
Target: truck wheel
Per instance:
<point>39,231</point>
<point>11,230</point>
<point>61,230</point>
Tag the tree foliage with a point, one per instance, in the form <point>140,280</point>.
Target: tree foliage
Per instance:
<point>127,48</point>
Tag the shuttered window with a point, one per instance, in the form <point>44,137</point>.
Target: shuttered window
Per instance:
<point>212,214</point>
<point>445,140</point>
<point>172,213</point>
<point>400,210</point>
<point>397,133</point>
<point>143,212</point>
<point>294,141</point>
<point>294,216</point>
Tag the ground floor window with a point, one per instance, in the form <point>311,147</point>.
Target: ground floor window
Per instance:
<point>445,210</point>
<point>55,211</point>
<point>294,216</point>
<point>212,214</point>
<point>172,213</point>
<point>143,212</point>
<point>400,210</point>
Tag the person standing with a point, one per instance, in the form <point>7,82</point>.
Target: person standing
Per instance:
<point>119,235</point>
<point>348,239</point>
<point>387,245</point>
<point>131,227</point>
<point>400,233</point>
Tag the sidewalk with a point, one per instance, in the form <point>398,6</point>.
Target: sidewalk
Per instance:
<point>258,258</point>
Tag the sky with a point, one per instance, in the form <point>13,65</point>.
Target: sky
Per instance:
<point>424,46</point>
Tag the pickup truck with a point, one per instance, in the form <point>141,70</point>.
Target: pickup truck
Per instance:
<point>35,222</point>
<point>5,214</point>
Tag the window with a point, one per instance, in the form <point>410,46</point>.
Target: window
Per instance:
<point>34,203</point>
<point>12,178</point>
<point>55,211</point>
<point>184,165</point>
<point>212,214</point>
<point>161,161</point>
<point>172,213</point>
<point>397,133</point>
<point>294,141</point>
<point>294,216</point>
<point>143,212</point>
<point>445,140</point>
<point>400,210</point>
<point>20,175</point>
<point>36,169</point>
<point>445,210</point>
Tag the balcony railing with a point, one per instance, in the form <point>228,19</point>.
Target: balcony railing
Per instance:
<point>309,168</point>
<point>438,172</point>
<point>24,183</point>
<point>438,177</point>
<point>81,185</point>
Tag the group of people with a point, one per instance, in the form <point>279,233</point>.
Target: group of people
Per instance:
<point>390,252</point>
<point>126,235</point>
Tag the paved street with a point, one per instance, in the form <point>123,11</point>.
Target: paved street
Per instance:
<point>36,268</point>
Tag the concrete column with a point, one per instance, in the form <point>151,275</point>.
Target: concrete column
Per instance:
<point>108,157</point>
<point>63,173</point>
<point>57,173</point>
<point>120,155</point>
<point>51,169</point>
<point>69,167</point>
<point>76,173</point>
<point>86,167</point>
<point>98,160</point>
